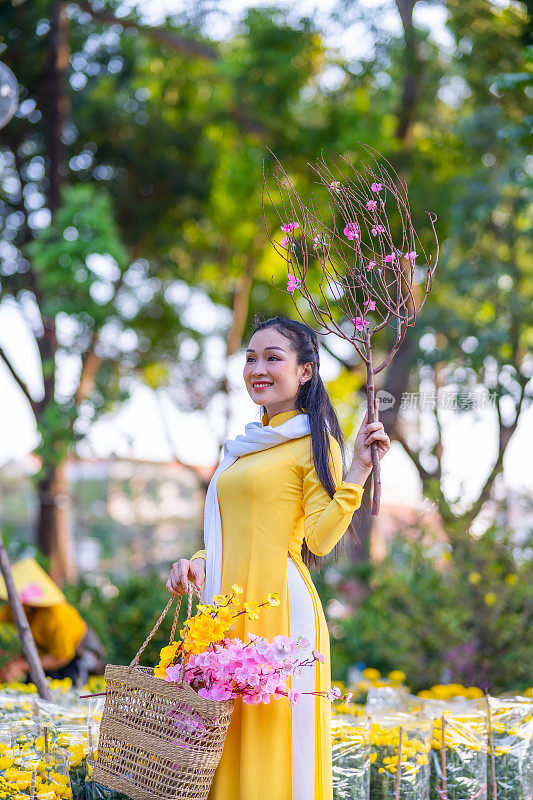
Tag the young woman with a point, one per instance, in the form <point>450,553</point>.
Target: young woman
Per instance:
<point>277,504</point>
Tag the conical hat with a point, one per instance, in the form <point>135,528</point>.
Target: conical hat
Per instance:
<point>34,586</point>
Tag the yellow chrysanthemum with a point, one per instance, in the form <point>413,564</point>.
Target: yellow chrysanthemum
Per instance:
<point>397,675</point>
<point>490,599</point>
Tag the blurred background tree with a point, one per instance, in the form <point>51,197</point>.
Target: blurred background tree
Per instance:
<point>133,237</point>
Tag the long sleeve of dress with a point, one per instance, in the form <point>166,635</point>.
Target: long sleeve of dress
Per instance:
<point>326,518</point>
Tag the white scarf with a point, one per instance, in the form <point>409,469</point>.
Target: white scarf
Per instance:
<point>256,437</point>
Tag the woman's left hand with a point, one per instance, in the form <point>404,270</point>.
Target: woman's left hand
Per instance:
<point>370,432</point>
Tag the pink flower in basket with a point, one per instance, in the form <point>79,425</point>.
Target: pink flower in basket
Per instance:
<point>256,672</point>
<point>226,669</point>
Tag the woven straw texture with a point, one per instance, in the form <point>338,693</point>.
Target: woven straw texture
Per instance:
<point>158,740</point>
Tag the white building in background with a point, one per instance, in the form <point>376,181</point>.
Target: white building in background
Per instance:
<point>125,514</point>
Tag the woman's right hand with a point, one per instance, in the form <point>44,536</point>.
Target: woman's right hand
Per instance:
<point>184,571</point>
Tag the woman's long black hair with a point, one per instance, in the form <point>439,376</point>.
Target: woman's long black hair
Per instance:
<point>313,399</point>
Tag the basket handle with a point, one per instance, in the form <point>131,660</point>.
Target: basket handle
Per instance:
<point>192,588</point>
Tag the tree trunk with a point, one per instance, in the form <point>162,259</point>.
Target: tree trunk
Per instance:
<point>397,380</point>
<point>58,102</point>
<point>54,531</point>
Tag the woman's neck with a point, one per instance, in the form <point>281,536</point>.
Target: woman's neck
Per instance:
<point>278,408</point>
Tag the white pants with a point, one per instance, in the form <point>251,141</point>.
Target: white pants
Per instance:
<point>302,623</point>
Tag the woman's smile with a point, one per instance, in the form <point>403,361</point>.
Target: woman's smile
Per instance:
<point>259,386</point>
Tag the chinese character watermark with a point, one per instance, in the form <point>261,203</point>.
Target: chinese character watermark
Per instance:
<point>464,400</point>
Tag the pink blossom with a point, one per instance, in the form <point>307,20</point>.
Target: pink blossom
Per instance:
<point>283,643</point>
<point>293,283</point>
<point>216,693</point>
<point>318,656</point>
<point>289,227</point>
<point>370,305</point>
<point>250,699</point>
<point>376,187</point>
<point>319,241</point>
<point>411,255</point>
<point>173,673</point>
<point>359,323</point>
<point>370,264</point>
<point>390,258</point>
<point>335,186</point>
<point>377,229</point>
<point>294,697</point>
<point>371,205</point>
<point>257,672</point>
<point>352,231</point>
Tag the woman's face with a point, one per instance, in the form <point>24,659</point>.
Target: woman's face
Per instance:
<point>271,373</point>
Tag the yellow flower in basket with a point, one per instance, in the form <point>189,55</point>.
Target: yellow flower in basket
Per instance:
<point>166,658</point>
<point>252,609</point>
<point>272,599</point>
<point>211,624</point>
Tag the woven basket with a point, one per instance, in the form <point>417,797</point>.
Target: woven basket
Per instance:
<point>159,740</point>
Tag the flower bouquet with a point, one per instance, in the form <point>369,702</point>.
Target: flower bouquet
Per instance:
<point>27,774</point>
<point>221,668</point>
<point>46,732</point>
<point>510,732</point>
<point>400,745</point>
<point>350,745</point>
<point>459,756</point>
<point>78,743</point>
<point>13,707</point>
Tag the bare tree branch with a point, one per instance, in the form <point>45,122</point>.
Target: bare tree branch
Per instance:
<point>505,433</point>
<point>165,37</point>
<point>414,456</point>
<point>344,259</point>
<point>18,380</point>
<point>170,39</point>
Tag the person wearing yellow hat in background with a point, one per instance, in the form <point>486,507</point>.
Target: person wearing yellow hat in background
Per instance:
<point>67,646</point>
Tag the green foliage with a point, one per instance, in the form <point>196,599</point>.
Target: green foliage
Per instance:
<point>10,645</point>
<point>465,619</point>
<point>124,613</point>
<point>82,228</point>
<point>163,149</point>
